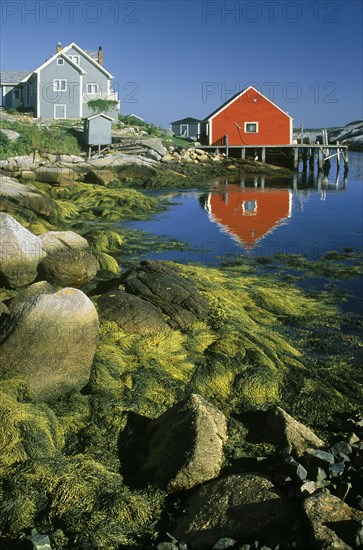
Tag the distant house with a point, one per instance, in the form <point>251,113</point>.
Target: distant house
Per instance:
<point>62,86</point>
<point>248,118</point>
<point>187,127</point>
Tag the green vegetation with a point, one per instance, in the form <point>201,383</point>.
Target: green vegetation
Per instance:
<point>33,139</point>
<point>101,105</point>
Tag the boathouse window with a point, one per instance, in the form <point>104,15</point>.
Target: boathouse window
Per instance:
<point>184,130</point>
<point>251,127</point>
<point>16,94</point>
<point>92,88</point>
<point>249,207</point>
<point>60,61</point>
<point>59,85</point>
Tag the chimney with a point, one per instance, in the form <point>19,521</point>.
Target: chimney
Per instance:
<point>100,56</point>
<point>58,47</point>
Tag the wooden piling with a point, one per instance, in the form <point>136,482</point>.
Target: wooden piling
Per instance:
<point>296,158</point>
<point>263,155</point>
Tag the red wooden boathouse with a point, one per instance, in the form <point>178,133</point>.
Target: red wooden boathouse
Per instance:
<point>248,118</point>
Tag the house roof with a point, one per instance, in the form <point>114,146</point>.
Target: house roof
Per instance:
<point>237,96</point>
<point>188,120</point>
<point>13,77</point>
<point>90,58</point>
<point>93,54</point>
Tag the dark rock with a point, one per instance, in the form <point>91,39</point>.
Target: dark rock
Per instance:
<point>185,445</point>
<point>69,260</point>
<point>319,458</point>
<point>164,286</point>
<point>284,430</point>
<point>236,506</point>
<point>297,468</point>
<point>333,524</point>
<point>20,253</point>
<point>51,340</point>
<point>131,313</point>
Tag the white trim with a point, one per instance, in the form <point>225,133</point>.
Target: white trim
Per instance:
<point>240,94</point>
<point>65,111</point>
<point>100,114</point>
<point>70,57</point>
<point>291,130</point>
<point>245,128</point>
<point>55,56</point>
<point>74,45</point>
<point>187,129</point>
<point>80,96</point>
<point>38,94</point>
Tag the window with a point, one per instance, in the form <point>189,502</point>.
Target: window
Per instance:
<point>92,88</point>
<point>74,58</point>
<point>59,85</point>
<point>60,61</point>
<point>16,94</point>
<point>251,127</point>
<point>249,207</point>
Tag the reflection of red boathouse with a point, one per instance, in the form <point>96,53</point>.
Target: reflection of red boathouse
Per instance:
<point>249,214</point>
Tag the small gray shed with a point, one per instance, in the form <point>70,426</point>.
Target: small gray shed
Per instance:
<point>187,127</point>
<point>97,130</point>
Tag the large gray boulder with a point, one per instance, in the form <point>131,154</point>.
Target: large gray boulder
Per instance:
<point>31,291</point>
<point>237,506</point>
<point>155,144</point>
<point>57,175</point>
<point>20,253</point>
<point>287,432</point>
<point>164,286</point>
<point>185,445</point>
<point>69,260</point>
<point>25,196</point>
<point>51,340</point>
<point>131,313</point>
<point>333,524</point>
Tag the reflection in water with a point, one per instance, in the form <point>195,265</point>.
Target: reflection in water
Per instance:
<point>249,209</point>
<point>248,214</point>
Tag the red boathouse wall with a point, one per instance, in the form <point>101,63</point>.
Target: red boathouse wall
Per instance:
<point>274,125</point>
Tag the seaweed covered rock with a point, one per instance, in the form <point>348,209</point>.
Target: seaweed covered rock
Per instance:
<point>164,286</point>
<point>333,524</point>
<point>20,253</point>
<point>185,445</point>
<point>237,506</point>
<point>287,432</point>
<point>24,196</point>
<point>57,175</point>
<point>51,339</point>
<point>69,260</point>
<point>131,313</point>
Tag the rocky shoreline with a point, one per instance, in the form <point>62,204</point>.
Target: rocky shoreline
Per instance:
<point>163,409</point>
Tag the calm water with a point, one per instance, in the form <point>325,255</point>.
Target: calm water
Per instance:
<point>262,217</point>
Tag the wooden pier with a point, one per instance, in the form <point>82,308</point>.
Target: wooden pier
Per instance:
<point>309,155</point>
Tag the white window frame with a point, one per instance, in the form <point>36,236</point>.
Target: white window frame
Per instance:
<point>247,211</point>
<point>249,131</point>
<point>65,111</point>
<point>74,58</point>
<point>60,61</point>
<point>58,87</point>
<point>92,84</point>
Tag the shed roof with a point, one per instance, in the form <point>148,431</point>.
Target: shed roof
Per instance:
<point>13,77</point>
<point>188,120</point>
<point>97,115</point>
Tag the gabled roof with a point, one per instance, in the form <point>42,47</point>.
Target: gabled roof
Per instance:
<point>84,52</point>
<point>188,120</point>
<point>237,96</point>
<point>97,115</point>
<point>13,77</point>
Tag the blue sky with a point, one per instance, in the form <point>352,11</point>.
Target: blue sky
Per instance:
<point>173,59</point>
